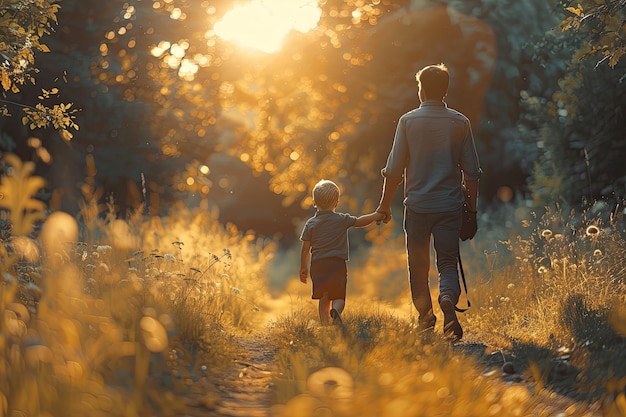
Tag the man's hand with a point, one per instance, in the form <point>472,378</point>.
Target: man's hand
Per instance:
<point>386,212</point>
<point>304,273</point>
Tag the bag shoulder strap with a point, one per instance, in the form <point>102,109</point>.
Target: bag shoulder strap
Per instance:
<point>463,310</point>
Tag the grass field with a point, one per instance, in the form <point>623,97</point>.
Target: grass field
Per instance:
<point>103,316</point>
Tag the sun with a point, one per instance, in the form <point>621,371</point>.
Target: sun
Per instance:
<point>264,24</point>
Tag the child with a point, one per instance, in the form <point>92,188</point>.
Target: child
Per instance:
<point>325,242</point>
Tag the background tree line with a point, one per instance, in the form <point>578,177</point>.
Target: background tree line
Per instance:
<point>170,112</point>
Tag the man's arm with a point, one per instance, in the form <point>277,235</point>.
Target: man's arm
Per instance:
<point>305,255</point>
<point>390,185</point>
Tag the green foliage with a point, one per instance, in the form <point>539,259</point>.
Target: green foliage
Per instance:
<point>23,25</point>
<point>569,119</point>
<point>582,120</point>
<point>295,103</point>
<point>604,22</point>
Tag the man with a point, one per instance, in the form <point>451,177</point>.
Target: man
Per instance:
<point>434,153</point>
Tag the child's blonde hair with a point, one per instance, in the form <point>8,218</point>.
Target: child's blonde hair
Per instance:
<point>325,194</point>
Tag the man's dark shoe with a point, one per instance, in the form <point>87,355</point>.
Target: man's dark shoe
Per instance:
<point>336,318</point>
<point>452,329</point>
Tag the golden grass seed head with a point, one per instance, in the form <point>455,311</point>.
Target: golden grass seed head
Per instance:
<point>154,334</point>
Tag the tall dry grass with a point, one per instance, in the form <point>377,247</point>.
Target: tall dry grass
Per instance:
<point>547,292</point>
<point>117,317</point>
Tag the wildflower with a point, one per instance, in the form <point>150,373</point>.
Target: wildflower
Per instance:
<point>103,248</point>
<point>546,233</point>
<point>542,270</point>
<point>511,285</point>
<point>592,231</point>
<point>178,244</point>
<point>597,252</point>
<point>169,257</point>
<point>228,254</point>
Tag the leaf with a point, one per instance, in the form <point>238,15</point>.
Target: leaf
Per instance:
<point>66,135</point>
<point>574,10</point>
<point>6,81</point>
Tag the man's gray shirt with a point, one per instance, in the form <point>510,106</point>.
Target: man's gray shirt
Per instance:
<point>328,233</point>
<point>433,145</point>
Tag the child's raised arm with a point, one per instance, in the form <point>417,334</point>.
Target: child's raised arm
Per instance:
<point>366,219</point>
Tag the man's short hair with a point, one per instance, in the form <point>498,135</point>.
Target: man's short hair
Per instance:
<point>434,81</point>
<point>325,194</point>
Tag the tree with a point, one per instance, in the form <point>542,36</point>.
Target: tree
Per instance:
<point>23,24</point>
<point>577,127</point>
<point>605,24</point>
<point>282,115</point>
<point>161,93</point>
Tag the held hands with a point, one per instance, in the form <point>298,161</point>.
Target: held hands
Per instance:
<point>386,215</point>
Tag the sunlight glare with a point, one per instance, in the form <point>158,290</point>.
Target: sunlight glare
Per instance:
<point>264,24</point>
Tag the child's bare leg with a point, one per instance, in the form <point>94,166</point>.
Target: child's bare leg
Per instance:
<point>339,305</point>
<point>324,310</point>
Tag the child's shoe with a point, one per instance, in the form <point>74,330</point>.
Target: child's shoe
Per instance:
<point>336,318</point>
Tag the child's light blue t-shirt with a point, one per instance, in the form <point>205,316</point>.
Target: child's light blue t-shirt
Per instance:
<point>328,233</point>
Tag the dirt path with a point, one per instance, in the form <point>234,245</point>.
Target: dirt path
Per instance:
<point>246,390</point>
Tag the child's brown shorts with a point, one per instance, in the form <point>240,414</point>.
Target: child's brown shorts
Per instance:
<point>329,275</point>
